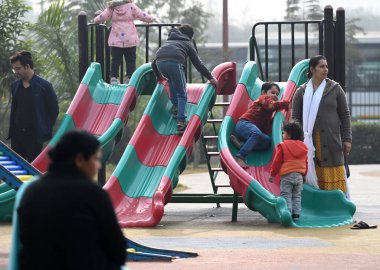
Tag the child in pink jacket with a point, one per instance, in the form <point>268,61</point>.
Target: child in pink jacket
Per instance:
<point>123,38</point>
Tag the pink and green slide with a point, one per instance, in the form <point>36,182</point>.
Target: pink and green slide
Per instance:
<point>97,107</point>
<point>319,208</point>
<point>148,171</point>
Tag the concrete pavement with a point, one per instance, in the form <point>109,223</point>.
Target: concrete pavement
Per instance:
<point>252,243</point>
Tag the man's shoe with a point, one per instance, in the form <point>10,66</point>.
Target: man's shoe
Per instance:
<point>296,217</point>
<point>181,127</point>
<point>235,142</point>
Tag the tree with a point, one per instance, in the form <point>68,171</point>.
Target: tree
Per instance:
<point>55,41</point>
<point>303,10</point>
<point>312,10</point>
<point>12,25</point>
<point>178,11</point>
<point>292,10</point>
<point>353,54</point>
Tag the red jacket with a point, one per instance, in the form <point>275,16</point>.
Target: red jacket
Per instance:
<point>260,112</point>
<point>290,156</point>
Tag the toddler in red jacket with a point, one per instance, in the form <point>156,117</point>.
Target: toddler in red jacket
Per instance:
<point>290,162</point>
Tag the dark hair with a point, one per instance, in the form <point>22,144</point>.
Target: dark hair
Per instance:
<point>71,144</point>
<point>314,61</point>
<point>186,29</point>
<point>24,57</point>
<point>268,85</point>
<point>294,130</point>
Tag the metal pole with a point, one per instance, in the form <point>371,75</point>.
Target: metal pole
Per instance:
<point>225,30</point>
<point>100,48</point>
<point>225,43</point>
<point>340,49</point>
<point>147,44</point>
<point>108,57</point>
<point>329,40</point>
<point>83,44</point>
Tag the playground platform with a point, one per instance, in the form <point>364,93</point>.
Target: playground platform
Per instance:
<point>252,243</point>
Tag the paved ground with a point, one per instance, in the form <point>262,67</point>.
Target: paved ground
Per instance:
<point>252,243</point>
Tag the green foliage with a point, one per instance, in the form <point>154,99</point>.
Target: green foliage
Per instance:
<point>365,143</point>
<point>55,41</point>
<point>12,25</point>
<point>11,22</point>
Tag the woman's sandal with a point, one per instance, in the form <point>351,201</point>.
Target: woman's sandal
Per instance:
<point>362,225</point>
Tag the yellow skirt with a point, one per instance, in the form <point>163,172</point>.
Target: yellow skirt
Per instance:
<point>328,177</point>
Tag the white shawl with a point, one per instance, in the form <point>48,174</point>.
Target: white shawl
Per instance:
<point>311,102</point>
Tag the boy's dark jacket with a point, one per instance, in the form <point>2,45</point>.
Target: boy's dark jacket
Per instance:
<point>177,48</point>
<point>45,105</point>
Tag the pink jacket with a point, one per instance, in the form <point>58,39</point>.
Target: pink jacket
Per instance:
<point>123,33</point>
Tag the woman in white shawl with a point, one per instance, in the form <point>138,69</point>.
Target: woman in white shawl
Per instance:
<point>320,105</point>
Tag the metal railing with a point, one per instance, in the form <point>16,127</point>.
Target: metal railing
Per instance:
<point>331,43</point>
<point>93,44</point>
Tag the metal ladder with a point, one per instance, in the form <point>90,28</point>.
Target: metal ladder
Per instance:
<point>213,169</point>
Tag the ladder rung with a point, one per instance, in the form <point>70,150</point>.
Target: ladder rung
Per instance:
<point>214,120</point>
<point>210,137</point>
<point>213,153</point>
<point>222,104</point>
<point>223,186</point>
<point>217,169</point>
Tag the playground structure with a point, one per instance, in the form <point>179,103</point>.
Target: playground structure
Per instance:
<point>145,182</point>
<point>149,169</point>
<point>319,208</point>
<point>146,175</point>
<point>331,44</point>
<point>97,107</point>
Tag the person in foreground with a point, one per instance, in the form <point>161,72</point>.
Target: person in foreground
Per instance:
<point>290,162</point>
<point>255,125</point>
<point>170,62</point>
<point>65,220</point>
<point>320,105</point>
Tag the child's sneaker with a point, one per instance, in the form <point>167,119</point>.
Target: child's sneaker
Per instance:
<point>114,80</point>
<point>174,111</point>
<point>181,127</point>
<point>296,217</point>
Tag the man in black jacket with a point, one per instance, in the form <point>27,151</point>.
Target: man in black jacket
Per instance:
<point>34,108</point>
<point>170,62</point>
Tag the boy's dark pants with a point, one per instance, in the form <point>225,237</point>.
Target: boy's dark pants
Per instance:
<point>175,73</point>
